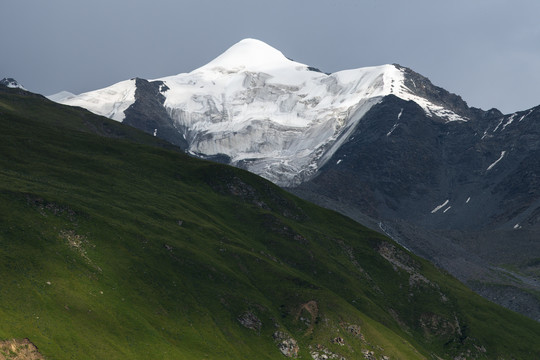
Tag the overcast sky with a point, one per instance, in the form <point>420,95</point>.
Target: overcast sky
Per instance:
<point>487,51</point>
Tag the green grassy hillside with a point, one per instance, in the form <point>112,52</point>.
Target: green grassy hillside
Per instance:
<point>115,246</point>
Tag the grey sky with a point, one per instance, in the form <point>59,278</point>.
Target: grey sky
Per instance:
<point>487,51</point>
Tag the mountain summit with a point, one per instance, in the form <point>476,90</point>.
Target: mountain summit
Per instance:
<point>250,54</point>
<point>256,109</point>
<point>11,83</point>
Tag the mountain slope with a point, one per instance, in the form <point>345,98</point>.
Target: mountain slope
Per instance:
<point>119,249</point>
<point>464,195</point>
<point>383,145</point>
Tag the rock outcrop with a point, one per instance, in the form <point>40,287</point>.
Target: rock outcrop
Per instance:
<point>286,344</point>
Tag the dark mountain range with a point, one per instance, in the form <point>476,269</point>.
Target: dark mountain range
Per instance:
<point>383,145</point>
<point>464,195</point>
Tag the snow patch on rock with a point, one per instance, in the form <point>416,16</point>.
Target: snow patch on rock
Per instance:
<point>440,207</point>
<point>111,101</point>
<point>496,161</point>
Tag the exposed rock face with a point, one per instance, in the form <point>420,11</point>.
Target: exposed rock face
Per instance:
<point>401,260</point>
<point>322,353</point>
<point>465,195</point>
<point>286,344</point>
<point>369,355</point>
<point>250,321</point>
<point>19,349</point>
<point>354,329</point>
<point>148,114</point>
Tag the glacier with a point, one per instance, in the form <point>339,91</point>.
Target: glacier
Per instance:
<point>268,114</point>
<point>111,101</point>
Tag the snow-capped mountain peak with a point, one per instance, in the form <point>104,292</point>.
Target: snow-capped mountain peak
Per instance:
<point>11,83</point>
<point>273,116</point>
<point>250,54</point>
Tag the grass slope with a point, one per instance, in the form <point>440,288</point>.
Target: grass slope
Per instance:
<point>112,246</point>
